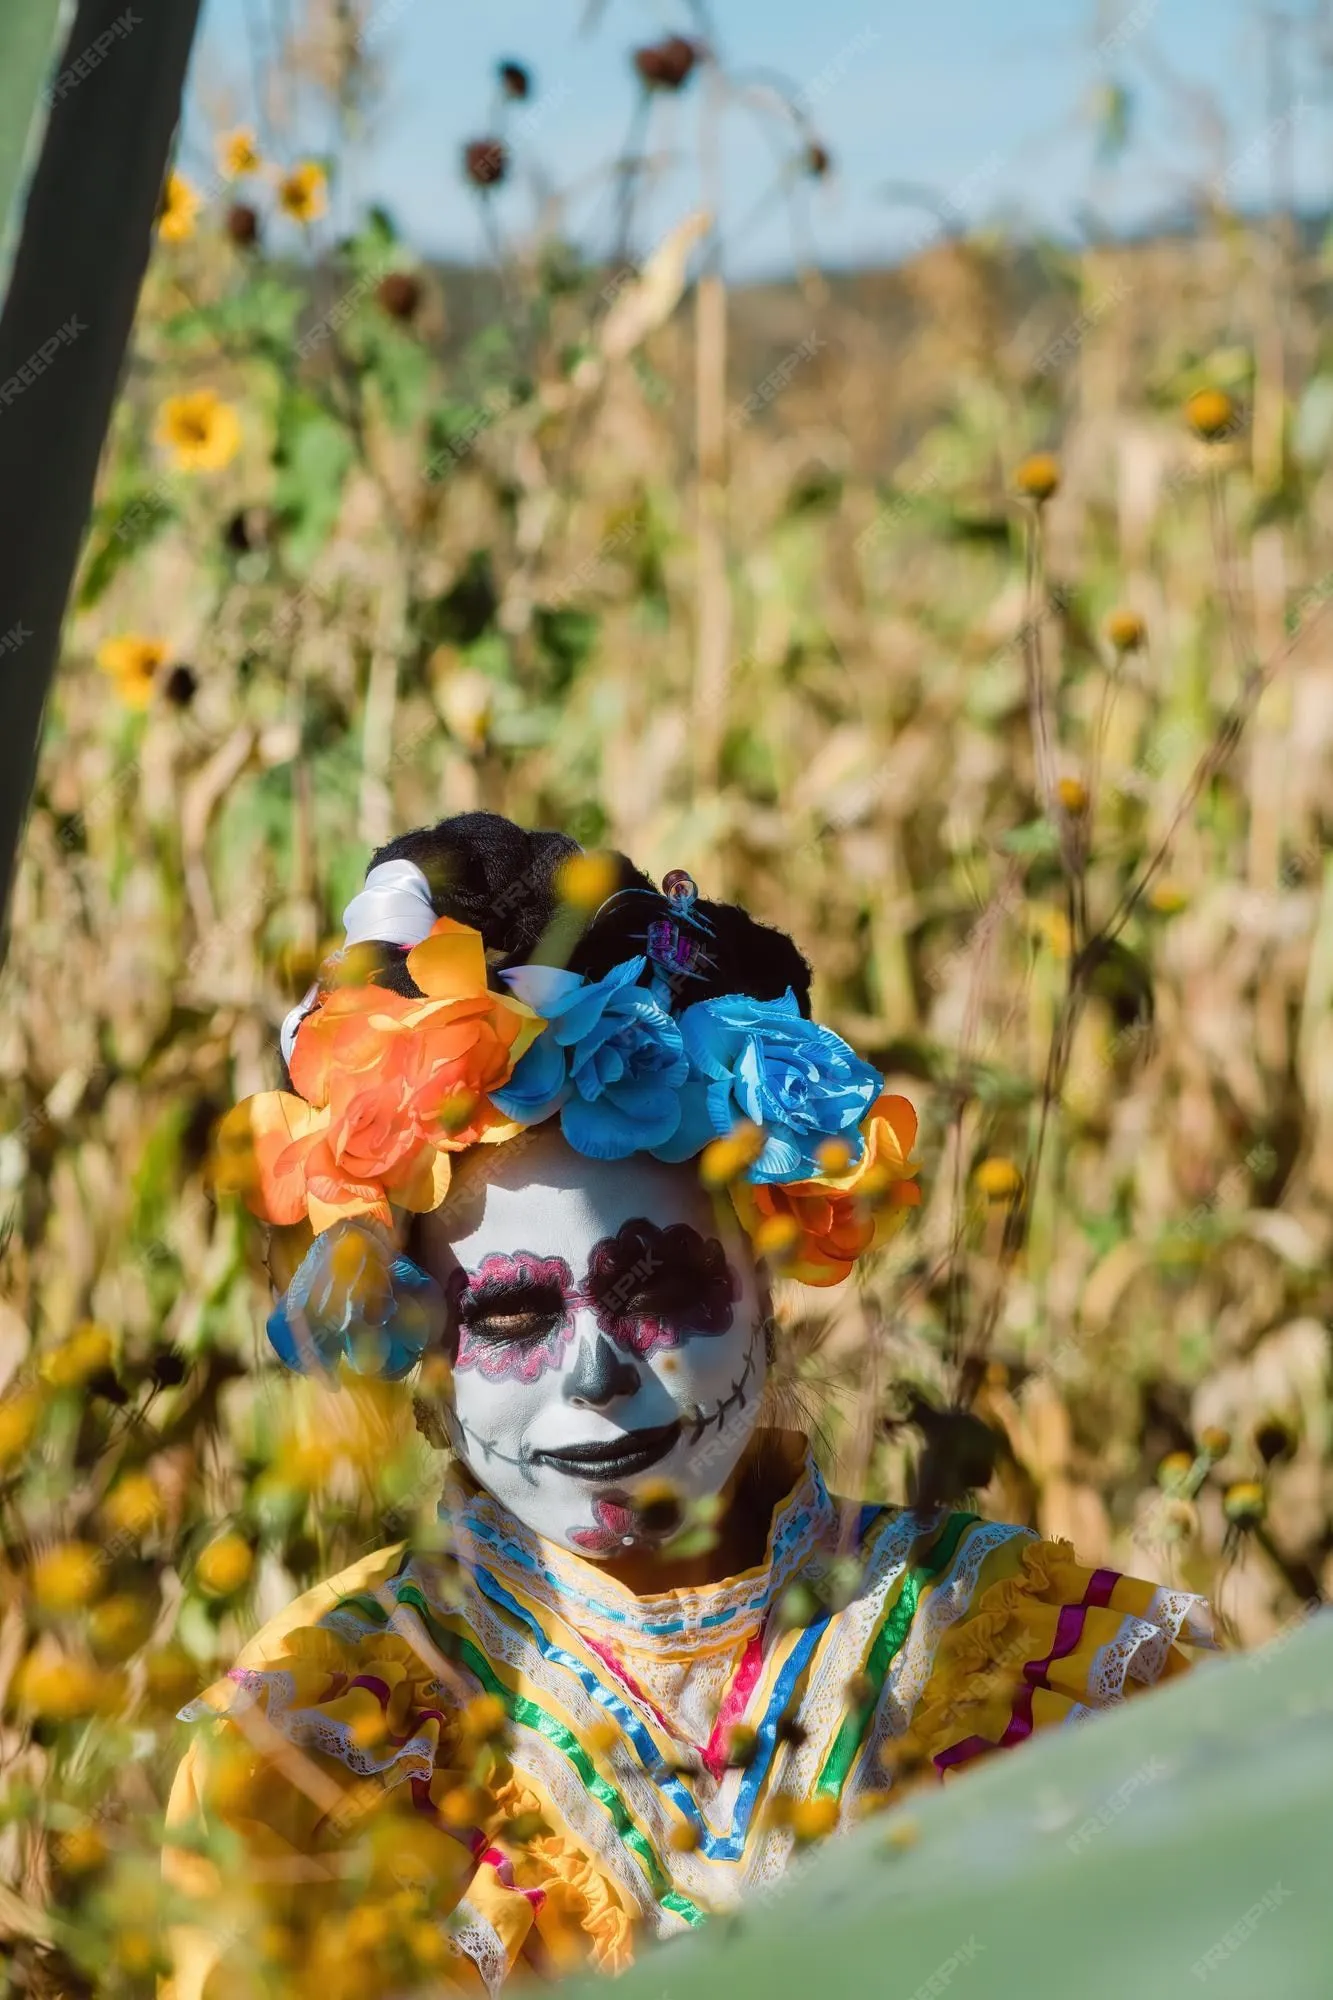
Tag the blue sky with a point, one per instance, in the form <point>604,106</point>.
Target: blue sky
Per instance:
<point>987,103</point>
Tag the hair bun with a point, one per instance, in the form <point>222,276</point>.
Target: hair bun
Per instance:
<point>485,871</point>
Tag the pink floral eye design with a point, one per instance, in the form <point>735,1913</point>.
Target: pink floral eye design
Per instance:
<point>513,1314</point>
<point>654,1288</point>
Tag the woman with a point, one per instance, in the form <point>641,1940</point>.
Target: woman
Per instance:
<point>654,1654</point>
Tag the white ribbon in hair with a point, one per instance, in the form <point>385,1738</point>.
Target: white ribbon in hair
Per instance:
<point>394,907</point>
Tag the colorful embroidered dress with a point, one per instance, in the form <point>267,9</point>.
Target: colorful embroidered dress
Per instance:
<point>620,1712</point>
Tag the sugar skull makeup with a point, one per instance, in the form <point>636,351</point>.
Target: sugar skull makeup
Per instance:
<point>607,1338</point>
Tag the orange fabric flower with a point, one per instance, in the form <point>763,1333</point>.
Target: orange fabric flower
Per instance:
<point>390,1087</point>
<point>842,1216</point>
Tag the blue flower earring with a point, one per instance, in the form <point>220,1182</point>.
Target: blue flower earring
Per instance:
<point>355,1294</point>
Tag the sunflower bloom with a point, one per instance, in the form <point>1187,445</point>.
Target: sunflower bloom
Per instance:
<point>133,663</point>
<point>303,193</point>
<point>201,432</point>
<point>180,205</point>
<point>238,154</point>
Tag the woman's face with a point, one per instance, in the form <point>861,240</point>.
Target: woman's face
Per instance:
<point>607,1337</point>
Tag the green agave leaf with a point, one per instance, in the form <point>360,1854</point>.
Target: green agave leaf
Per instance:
<point>1179,1844</point>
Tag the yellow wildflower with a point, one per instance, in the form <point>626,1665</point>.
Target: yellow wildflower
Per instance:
<point>776,1237</point>
<point>811,1819</point>
<point>133,662</point>
<point>180,205</point>
<point>224,1566</point>
<point>999,1179</point>
<point>725,1160</point>
<point>67,1577</point>
<point>303,193</point>
<point>1073,795</point>
<point>132,1505</point>
<point>58,1687</point>
<point>86,1352</point>
<point>1126,631</point>
<point>483,1718</point>
<point>238,154</point>
<point>119,1625</point>
<point>1210,414</point>
<point>1245,1503</point>
<point>81,1849</point>
<point>18,1420</point>
<point>1038,477</point>
<point>199,430</point>
<point>586,880</point>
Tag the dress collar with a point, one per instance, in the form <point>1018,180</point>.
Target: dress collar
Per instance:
<point>490,1542</point>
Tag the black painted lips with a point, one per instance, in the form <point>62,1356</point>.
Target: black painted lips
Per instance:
<point>613,1458</point>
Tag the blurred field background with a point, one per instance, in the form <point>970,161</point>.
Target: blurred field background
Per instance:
<point>966,618</point>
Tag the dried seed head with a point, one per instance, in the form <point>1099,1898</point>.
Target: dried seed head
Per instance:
<point>1274,1440</point>
<point>668,64</point>
<point>180,686</point>
<point>399,294</point>
<point>485,162</point>
<point>818,160</point>
<point>515,81</point>
<point>243,225</point>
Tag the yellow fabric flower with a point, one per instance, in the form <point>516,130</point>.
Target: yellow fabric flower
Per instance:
<point>133,663</point>
<point>238,154</point>
<point>303,193</point>
<point>180,206</point>
<point>201,432</point>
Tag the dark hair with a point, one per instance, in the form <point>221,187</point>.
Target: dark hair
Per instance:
<point>485,871</point>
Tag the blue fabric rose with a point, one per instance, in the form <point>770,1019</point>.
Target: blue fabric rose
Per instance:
<point>610,1059</point>
<point>353,1295</point>
<point>762,1060</point>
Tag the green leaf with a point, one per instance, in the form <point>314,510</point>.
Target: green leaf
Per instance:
<point>567,637</point>
<point>314,455</point>
<point>1185,1830</point>
<point>261,314</point>
<point>1038,837</point>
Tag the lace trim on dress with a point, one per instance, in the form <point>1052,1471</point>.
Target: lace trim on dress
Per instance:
<point>1139,1650</point>
<point>313,1729</point>
<point>905,1682</point>
<point>474,1938</point>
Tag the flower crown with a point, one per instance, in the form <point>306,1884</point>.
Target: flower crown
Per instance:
<point>387,1089</point>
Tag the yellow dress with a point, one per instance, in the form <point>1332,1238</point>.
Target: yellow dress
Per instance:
<point>501,1760</point>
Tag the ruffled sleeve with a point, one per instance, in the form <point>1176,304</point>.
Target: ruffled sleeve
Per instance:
<point>348,1809</point>
<point>1047,1641</point>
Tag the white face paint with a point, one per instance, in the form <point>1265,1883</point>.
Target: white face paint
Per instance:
<point>607,1336</point>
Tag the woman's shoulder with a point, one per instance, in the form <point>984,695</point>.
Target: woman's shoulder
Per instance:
<point>360,1581</point>
<point>1004,1633</point>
